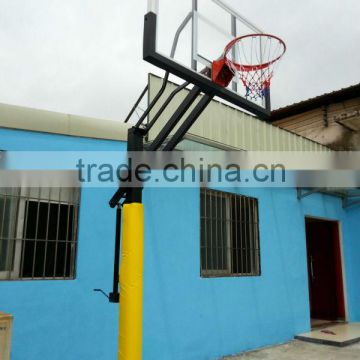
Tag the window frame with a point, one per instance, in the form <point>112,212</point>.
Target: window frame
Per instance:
<point>229,272</point>
<point>8,274</point>
<point>24,197</point>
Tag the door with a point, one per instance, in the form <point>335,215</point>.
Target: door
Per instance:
<point>325,270</point>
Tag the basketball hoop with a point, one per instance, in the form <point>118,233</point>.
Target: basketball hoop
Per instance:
<point>252,59</point>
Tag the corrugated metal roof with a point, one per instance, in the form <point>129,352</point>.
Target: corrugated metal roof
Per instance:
<point>230,127</point>
<point>17,117</point>
<point>313,103</point>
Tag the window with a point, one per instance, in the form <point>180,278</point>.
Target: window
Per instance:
<point>38,233</point>
<point>229,235</point>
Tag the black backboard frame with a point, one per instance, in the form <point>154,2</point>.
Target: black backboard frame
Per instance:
<point>151,55</point>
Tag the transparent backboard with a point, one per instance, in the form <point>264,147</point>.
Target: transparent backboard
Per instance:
<point>193,33</point>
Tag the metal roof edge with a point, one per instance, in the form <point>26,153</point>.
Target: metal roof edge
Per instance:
<point>316,102</point>
<point>234,108</point>
<point>30,119</point>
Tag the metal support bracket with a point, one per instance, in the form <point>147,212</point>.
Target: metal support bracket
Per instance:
<point>175,118</point>
<point>348,200</point>
<point>188,123</point>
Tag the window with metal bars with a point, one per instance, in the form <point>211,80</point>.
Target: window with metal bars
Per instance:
<point>38,233</point>
<point>229,234</point>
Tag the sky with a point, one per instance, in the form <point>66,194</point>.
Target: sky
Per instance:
<point>84,57</point>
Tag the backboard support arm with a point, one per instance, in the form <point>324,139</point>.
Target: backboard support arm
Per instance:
<point>165,105</point>
<point>138,101</point>
<point>188,123</point>
<point>175,118</point>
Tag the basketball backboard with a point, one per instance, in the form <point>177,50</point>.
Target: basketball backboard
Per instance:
<point>185,37</point>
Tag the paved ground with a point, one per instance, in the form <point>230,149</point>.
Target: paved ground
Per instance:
<point>299,350</point>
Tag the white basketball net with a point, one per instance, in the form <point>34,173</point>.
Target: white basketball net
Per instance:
<point>253,60</point>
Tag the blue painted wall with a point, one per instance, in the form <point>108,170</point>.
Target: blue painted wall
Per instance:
<point>67,320</point>
<point>351,238</point>
<point>185,317</point>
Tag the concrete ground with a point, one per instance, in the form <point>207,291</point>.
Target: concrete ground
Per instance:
<point>299,350</point>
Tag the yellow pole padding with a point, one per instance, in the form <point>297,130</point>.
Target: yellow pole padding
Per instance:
<point>131,283</point>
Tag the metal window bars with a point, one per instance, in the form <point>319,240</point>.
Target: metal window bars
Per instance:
<point>229,238</point>
<point>38,233</point>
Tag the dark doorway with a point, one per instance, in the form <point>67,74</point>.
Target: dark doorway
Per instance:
<point>325,270</point>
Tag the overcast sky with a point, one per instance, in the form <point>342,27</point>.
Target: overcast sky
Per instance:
<point>85,56</point>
